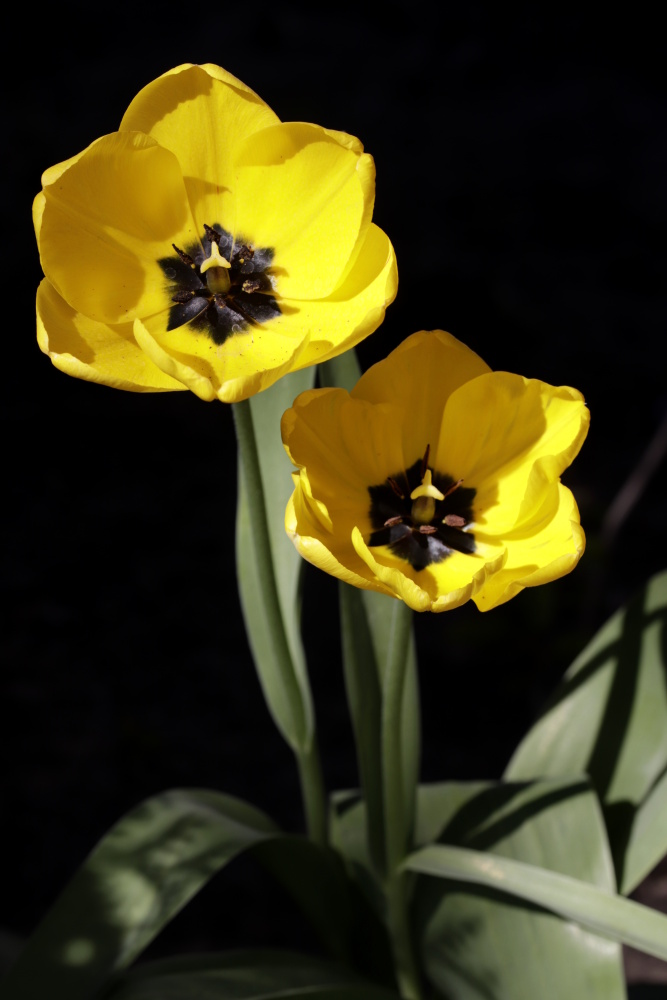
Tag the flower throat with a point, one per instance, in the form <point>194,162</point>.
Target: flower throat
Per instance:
<point>421,515</point>
<point>220,286</point>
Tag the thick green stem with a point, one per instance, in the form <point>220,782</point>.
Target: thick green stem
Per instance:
<point>399,808</point>
<point>307,753</point>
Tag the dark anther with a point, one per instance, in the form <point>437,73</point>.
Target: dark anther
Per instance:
<point>185,257</point>
<point>453,487</point>
<point>396,488</point>
<point>391,521</point>
<point>251,285</point>
<point>213,234</point>
<point>454,520</point>
<point>244,252</point>
<point>424,465</point>
<point>183,296</point>
<point>427,529</point>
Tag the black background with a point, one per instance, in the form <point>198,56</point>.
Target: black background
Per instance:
<point>521,176</point>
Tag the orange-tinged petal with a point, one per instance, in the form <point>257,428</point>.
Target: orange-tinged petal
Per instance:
<point>95,351</point>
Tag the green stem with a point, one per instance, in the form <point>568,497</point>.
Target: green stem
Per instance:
<point>312,793</point>
<point>399,811</point>
<point>307,754</point>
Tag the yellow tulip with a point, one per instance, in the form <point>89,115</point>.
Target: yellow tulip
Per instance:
<point>206,245</point>
<point>437,480</point>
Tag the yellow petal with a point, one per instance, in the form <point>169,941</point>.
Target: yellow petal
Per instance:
<point>246,363</point>
<point>298,526</point>
<point>106,220</point>
<point>345,445</point>
<point>309,197</point>
<point>420,375</point>
<point>356,308</point>
<point>94,351</point>
<point>523,435</point>
<point>202,114</point>
<point>549,547</point>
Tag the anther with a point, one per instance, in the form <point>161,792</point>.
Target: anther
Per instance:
<point>251,285</point>
<point>243,252</point>
<point>396,488</point>
<point>426,529</point>
<point>391,521</point>
<point>454,520</point>
<point>185,257</point>
<point>213,234</point>
<point>183,296</point>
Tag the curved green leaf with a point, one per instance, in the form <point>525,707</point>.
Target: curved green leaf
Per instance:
<point>479,944</point>
<point>245,975</point>
<point>295,722</point>
<point>604,913</point>
<point>608,719</point>
<point>145,870</point>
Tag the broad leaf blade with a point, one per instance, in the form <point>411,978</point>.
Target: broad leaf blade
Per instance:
<point>247,975</point>
<point>608,718</point>
<point>611,916</point>
<point>151,863</point>
<point>479,944</point>
<point>267,409</point>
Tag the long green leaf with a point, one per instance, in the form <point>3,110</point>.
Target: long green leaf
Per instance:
<point>477,943</point>
<point>245,975</point>
<point>364,696</point>
<point>604,913</point>
<point>145,870</point>
<point>608,719</point>
<point>295,721</point>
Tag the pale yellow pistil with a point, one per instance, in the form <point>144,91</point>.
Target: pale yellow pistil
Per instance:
<point>424,497</point>
<point>218,268</point>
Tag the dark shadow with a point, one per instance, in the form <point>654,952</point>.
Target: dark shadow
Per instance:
<point>464,827</point>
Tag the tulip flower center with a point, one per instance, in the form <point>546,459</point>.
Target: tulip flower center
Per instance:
<point>220,286</point>
<point>422,515</point>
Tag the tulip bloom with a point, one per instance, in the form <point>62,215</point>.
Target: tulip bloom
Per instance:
<point>206,245</point>
<point>437,480</point>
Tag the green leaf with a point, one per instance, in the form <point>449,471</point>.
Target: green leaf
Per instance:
<point>145,870</point>
<point>608,719</point>
<point>604,913</point>
<point>342,371</point>
<point>364,696</point>
<point>478,942</point>
<point>245,975</point>
<point>288,697</point>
